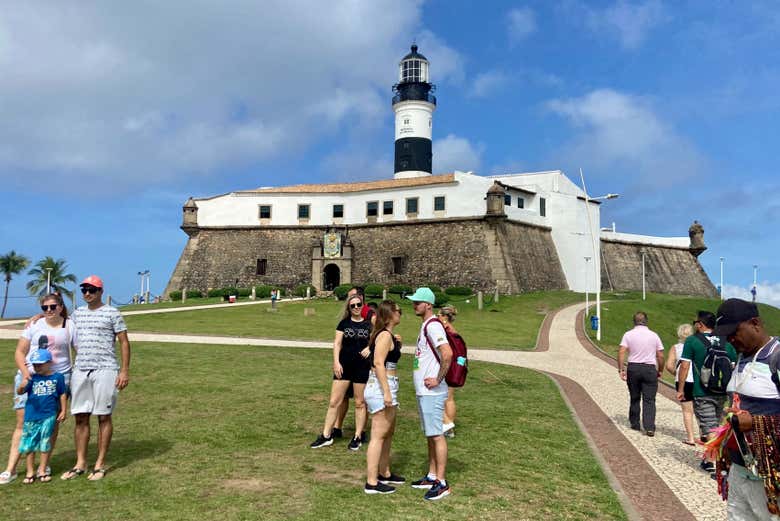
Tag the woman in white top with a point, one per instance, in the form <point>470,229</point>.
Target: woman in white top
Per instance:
<point>57,334</point>
<point>673,366</point>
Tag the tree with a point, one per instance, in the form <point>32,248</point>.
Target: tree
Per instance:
<point>57,278</point>
<point>11,264</point>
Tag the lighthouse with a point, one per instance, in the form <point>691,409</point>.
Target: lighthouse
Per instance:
<point>413,105</point>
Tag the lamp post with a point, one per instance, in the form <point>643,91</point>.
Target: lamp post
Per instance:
<point>596,249</point>
<point>755,281</point>
<point>48,280</point>
<point>721,277</point>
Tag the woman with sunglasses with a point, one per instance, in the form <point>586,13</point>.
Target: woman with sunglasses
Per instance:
<point>57,334</point>
<point>382,399</point>
<point>350,367</point>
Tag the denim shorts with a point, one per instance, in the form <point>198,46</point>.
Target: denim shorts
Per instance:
<point>20,400</point>
<point>431,408</point>
<point>375,398</point>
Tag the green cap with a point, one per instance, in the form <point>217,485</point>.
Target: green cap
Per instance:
<point>423,295</point>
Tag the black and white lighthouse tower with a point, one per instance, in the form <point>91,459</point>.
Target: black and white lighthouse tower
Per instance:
<point>413,105</point>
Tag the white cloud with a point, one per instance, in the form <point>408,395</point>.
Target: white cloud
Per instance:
<point>767,293</point>
<point>456,153</point>
<point>620,134</point>
<point>119,95</point>
<point>629,22</point>
<point>486,83</point>
<point>521,23</point>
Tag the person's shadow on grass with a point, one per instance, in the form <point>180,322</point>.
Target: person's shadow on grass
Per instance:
<point>122,453</point>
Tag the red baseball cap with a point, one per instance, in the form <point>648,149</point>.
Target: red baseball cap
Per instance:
<point>92,280</point>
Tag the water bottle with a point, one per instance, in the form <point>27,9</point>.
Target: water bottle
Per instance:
<point>706,372</point>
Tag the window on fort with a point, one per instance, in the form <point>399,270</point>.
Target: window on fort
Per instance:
<point>303,211</point>
<point>542,206</point>
<point>387,208</point>
<point>438,203</point>
<point>520,202</point>
<point>399,265</point>
<point>262,266</point>
<point>507,200</point>
<point>372,208</point>
<point>265,211</point>
<point>338,211</point>
<point>411,205</point>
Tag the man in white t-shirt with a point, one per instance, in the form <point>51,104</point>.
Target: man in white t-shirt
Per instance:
<point>432,359</point>
<point>96,374</point>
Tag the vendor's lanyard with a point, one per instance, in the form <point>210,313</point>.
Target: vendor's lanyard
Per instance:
<point>748,372</point>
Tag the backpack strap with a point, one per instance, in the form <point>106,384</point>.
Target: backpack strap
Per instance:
<point>425,334</point>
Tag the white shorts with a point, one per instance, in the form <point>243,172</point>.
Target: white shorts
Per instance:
<point>375,399</point>
<point>93,392</point>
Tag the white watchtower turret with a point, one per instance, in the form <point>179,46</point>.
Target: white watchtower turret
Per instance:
<point>413,105</point>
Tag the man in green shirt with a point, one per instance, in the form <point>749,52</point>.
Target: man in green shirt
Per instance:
<point>707,406</point>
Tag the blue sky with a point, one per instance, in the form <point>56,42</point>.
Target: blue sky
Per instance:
<point>113,114</point>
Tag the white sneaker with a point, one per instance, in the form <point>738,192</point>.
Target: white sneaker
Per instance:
<point>449,430</point>
<point>6,477</point>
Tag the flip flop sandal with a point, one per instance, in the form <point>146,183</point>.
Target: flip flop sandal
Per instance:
<point>43,478</point>
<point>29,480</point>
<point>72,474</point>
<point>95,472</point>
<point>692,444</point>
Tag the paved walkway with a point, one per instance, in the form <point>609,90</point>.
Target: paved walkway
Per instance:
<point>656,478</point>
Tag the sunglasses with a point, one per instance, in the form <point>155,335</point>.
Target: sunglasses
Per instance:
<point>51,307</point>
<point>89,289</point>
<point>355,306</point>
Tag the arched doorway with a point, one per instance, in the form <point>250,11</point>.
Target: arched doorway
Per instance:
<point>332,276</point>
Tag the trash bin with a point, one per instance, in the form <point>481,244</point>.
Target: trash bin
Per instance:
<point>594,323</point>
<point>231,299</point>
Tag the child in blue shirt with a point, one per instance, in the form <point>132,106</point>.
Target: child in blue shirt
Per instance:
<point>46,402</point>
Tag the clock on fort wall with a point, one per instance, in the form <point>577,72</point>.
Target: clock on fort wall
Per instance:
<point>331,245</point>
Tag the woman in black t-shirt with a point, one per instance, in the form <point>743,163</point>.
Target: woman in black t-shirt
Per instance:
<point>350,367</point>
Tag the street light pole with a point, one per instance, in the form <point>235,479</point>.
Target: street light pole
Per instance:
<point>644,285</point>
<point>587,303</point>
<point>721,278</point>
<point>755,281</point>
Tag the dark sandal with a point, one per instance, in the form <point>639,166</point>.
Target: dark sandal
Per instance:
<point>43,478</point>
<point>72,473</point>
<point>95,472</point>
<point>29,480</point>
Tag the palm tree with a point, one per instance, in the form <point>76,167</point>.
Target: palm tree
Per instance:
<point>51,271</point>
<point>11,264</point>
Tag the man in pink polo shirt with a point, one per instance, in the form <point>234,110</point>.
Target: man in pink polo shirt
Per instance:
<point>645,364</point>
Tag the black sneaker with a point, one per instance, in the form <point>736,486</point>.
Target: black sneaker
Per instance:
<point>322,441</point>
<point>363,437</point>
<point>707,466</point>
<point>437,491</point>
<point>336,433</point>
<point>379,488</point>
<point>354,444</point>
<point>392,479</point>
<point>423,482</point>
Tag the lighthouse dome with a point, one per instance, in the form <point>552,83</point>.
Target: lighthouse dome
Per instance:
<point>413,68</point>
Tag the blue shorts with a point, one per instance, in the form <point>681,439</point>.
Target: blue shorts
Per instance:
<point>36,435</point>
<point>431,408</point>
<point>20,400</point>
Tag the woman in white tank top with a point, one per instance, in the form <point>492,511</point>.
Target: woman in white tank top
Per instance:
<point>673,366</point>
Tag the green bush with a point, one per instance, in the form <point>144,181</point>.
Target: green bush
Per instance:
<point>300,291</point>
<point>374,290</point>
<point>441,298</point>
<point>434,288</point>
<point>263,291</point>
<point>400,289</point>
<point>244,292</point>
<point>459,290</point>
<point>230,290</point>
<point>216,292</point>
<point>341,291</point>
<point>194,293</point>
<point>175,295</point>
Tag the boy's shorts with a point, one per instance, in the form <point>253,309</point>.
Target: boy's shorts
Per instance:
<point>36,435</point>
<point>431,408</point>
<point>93,392</point>
<point>20,400</point>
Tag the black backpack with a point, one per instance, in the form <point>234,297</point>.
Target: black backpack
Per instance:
<point>717,367</point>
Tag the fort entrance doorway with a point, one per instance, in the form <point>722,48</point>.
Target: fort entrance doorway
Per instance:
<point>331,277</point>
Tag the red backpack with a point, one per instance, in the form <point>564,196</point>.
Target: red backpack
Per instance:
<point>459,367</point>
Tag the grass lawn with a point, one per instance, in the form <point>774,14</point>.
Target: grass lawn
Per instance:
<point>512,323</point>
<point>665,314</point>
<point>215,432</point>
